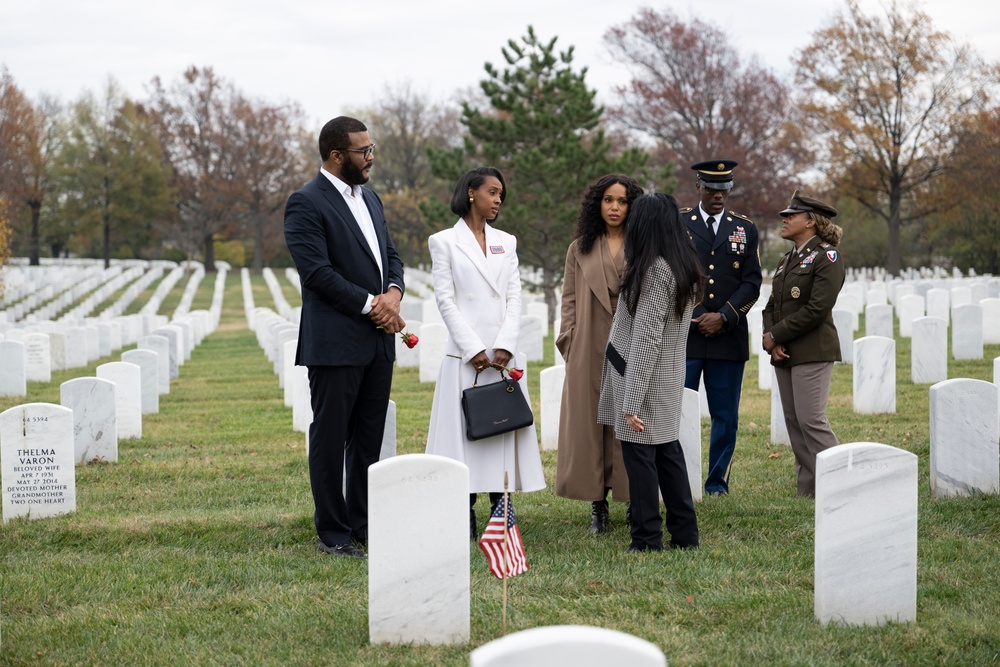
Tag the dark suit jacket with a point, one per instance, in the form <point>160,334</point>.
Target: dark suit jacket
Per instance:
<point>799,313</point>
<point>732,269</point>
<point>338,271</point>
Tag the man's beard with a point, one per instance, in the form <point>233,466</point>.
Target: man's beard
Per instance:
<point>352,175</point>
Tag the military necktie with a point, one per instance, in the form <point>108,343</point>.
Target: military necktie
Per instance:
<point>711,224</point>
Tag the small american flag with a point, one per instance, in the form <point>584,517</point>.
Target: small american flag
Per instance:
<point>492,543</point>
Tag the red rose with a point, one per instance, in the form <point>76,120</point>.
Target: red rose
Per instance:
<point>409,340</point>
<point>515,374</point>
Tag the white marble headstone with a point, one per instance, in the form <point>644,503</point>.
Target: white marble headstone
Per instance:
<point>161,346</point>
<point>967,332</point>
<point>929,351</point>
<point>878,321</point>
<point>843,321</point>
<point>964,435</point>
<point>433,339</point>
<point>36,456</point>
<point>690,438</point>
<point>939,303</point>
<point>991,321</point>
<point>103,340</point>
<point>551,392</point>
<point>37,358</point>
<point>531,339</point>
<point>418,551</point>
<point>149,367</point>
<point>875,375</point>
<point>13,381</point>
<point>539,309</point>
<point>57,351</point>
<point>95,422</point>
<point>288,359</point>
<point>571,645</point>
<point>779,429</point>
<point>93,344</point>
<point>866,535</point>
<point>302,414</point>
<point>910,307</point>
<point>128,396</point>
<point>76,348</point>
<point>175,353</point>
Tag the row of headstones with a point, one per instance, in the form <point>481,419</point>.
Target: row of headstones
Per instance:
<point>41,443</point>
<point>280,302</point>
<point>49,300</point>
<point>865,543</point>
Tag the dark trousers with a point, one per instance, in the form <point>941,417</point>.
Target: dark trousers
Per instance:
<point>723,385</point>
<point>659,467</point>
<point>349,405</point>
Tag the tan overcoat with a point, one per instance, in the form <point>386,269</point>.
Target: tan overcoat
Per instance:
<point>585,446</point>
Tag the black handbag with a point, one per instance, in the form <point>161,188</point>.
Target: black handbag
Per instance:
<point>494,408</point>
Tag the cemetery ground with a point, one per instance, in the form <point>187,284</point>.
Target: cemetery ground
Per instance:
<point>198,548</point>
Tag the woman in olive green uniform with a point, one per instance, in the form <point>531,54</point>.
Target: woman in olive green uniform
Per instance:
<point>799,332</point>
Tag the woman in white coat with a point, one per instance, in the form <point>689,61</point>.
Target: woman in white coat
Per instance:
<point>478,291</point>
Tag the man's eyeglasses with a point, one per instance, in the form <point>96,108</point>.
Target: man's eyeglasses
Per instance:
<point>366,152</point>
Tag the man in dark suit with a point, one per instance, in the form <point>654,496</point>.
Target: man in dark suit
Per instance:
<point>352,282</point>
<point>717,346</point>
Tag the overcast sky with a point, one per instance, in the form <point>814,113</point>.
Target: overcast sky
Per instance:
<point>329,54</point>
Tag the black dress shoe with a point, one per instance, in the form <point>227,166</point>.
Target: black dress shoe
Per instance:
<point>343,550</point>
<point>639,548</point>
<point>599,517</point>
<point>360,540</point>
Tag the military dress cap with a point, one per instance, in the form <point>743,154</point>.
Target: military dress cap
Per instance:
<point>802,204</point>
<point>716,174</point>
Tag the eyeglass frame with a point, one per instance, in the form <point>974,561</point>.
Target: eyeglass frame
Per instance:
<point>366,152</point>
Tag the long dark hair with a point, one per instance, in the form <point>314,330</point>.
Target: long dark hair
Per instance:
<point>590,225</point>
<point>655,230</point>
<point>472,179</point>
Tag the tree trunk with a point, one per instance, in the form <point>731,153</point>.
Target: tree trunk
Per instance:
<point>258,244</point>
<point>107,242</point>
<point>209,253</point>
<point>895,252</point>
<point>36,212</point>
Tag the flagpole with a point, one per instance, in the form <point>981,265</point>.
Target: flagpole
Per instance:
<point>506,568</point>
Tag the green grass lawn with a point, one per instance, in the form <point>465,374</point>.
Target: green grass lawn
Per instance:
<point>197,547</point>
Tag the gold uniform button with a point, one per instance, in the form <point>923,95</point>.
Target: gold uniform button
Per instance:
<point>713,253</point>
<point>711,267</point>
<point>711,296</point>
<point>711,281</point>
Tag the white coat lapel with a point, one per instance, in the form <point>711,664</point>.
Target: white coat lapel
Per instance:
<point>467,244</point>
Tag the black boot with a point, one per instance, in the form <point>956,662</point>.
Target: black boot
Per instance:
<point>599,517</point>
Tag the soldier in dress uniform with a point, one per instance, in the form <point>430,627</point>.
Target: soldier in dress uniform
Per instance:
<point>717,347</point>
<point>799,332</point>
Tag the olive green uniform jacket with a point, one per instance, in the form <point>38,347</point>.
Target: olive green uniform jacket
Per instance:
<point>799,313</point>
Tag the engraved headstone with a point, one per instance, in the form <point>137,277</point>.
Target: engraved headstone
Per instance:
<point>878,321</point>
<point>910,307</point>
<point>779,429</point>
<point>149,372</point>
<point>36,457</point>
<point>530,341</point>
<point>991,320</point>
<point>37,358</point>
<point>576,645</point>
<point>551,392</point>
<point>690,438</point>
<point>967,332</point>
<point>13,381</point>
<point>842,320</point>
<point>433,341</point>
<point>161,346</point>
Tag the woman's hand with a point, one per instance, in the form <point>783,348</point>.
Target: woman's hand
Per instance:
<point>635,423</point>
<point>501,358</point>
<point>767,342</point>
<point>480,362</point>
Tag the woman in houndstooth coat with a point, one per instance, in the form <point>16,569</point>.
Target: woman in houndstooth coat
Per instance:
<point>642,385</point>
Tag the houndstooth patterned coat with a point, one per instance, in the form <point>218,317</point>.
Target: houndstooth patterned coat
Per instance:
<point>653,345</point>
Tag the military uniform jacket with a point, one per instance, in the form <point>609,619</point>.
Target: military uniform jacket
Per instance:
<point>799,313</point>
<point>732,269</point>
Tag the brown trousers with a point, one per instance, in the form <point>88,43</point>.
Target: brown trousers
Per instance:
<point>804,391</point>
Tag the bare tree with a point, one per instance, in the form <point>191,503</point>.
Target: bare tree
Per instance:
<point>885,90</point>
<point>691,92</point>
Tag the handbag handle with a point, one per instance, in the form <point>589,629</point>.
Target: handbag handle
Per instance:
<point>508,380</point>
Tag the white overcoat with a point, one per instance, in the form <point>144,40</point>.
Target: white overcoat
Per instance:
<point>479,298</point>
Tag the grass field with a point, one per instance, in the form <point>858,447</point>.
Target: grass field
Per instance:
<point>197,547</point>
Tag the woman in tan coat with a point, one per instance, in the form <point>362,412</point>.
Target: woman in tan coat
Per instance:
<point>590,457</point>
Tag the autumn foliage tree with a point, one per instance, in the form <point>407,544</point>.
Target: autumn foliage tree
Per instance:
<point>884,91</point>
<point>542,131</point>
<point>694,95</point>
<point>110,176</point>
